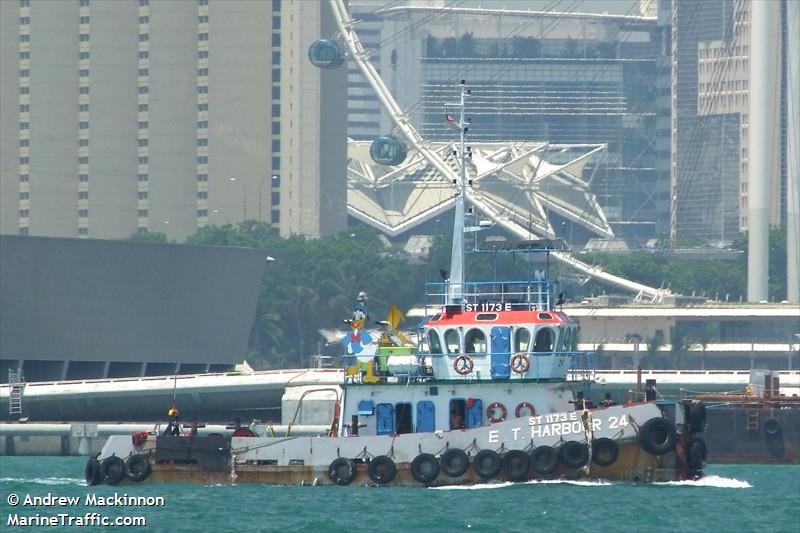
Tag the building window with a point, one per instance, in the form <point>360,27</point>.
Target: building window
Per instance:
<point>142,124</point>
<point>142,195</point>
<point>84,3</point>
<point>276,128</point>
<point>276,22</point>
<point>143,108</point>
<point>142,212</point>
<point>83,142</point>
<point>24,142</point>
<point>202,54</point>
<point>24,90</point>
<point>143,160</point>
<point>275,216</point>
<point>203,195</point>
<point>84,37</point>
<point>202,177</point>
<point>83,160</point>
<point>276,110</point>
<point>23,231</point>
<point>23,160</point>
<point>202,36</point>
<point>202,72</point>
<point>84,72</point>
<point>202,19</point>
<point>84,20</point>
<point>276,146</point>
<point>202,124</point>
<point>202,212</point>
<point>24,178</point>
<point>144,54</point>
<point>144,2</point>
<point>202,89</point>
<point>144,72</point>
<point>202,160</point>
<point>144,37</point>
<point>83,90</point>
<point>24,38</point>
<point>276,39</point>
<point>24,125</point>
<point>83,231</point>
<point>275,198</point>
<point>83,108</point>
<point>23,213</point>
<point>276,57</point>
<point>25,55</point>
<point>83,55</point>
<point>83,177</point>
<point>276,91</point>
<point>144,90</point>
<point>144,19</point>
<point>276,164</point>
<point>141,177</point>
<point>84,125</point>
<point>24,73</point>
<point>202,142</point>
<point>83,195</point>
<point>142,142</point>
<point>24,20</point>
<point>24,195</point>
<point>83,213</point>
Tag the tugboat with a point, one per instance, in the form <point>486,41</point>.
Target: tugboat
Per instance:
<point>482,397</point>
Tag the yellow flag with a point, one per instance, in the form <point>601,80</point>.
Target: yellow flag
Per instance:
<point>395,316</point>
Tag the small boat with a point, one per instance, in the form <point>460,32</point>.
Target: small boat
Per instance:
<point>483,396</point>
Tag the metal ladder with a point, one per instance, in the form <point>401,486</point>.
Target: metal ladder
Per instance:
<point>16,388</point>
<point>752,420</point>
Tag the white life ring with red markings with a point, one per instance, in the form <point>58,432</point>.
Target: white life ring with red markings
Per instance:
<point>496,412</point>
<point>525,405</point>
<point>520,363</point>
<point>463,365</point>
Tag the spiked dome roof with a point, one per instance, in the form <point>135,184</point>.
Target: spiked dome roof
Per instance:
<point>511,183</point>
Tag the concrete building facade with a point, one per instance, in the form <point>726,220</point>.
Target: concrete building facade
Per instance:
<point>131,116</point>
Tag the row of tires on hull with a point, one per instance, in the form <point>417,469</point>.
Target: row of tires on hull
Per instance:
<point>113,470</point>
<point>515,465</point>
<point>657,437</point>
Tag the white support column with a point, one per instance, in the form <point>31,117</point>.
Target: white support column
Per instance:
<point>793,152</point>
<point>764,58</point>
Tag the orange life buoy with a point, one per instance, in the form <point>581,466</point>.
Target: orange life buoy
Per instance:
<point>463,365</point>
<point>496,412</point>
<point>525,405</point>
<point>520,363</point>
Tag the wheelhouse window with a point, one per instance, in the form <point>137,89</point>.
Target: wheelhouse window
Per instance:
<point>453,341</point>
<point>522,340</point>
<point>544,340</point>
<point>475,341</point>
<point>434,344</point>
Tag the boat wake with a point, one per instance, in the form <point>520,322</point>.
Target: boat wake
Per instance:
<point>580,483</point>
<point>44,480</point>
<point>708,481</point>
<point>711,481</point>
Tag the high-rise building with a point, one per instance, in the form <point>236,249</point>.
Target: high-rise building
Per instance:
<point>125,116</point>
<point>710,106</point>
<point>563,77</point>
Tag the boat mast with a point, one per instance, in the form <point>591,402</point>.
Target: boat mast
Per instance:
<point>455,290</point>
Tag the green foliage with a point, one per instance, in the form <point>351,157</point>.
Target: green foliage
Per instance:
<point>313,284</point>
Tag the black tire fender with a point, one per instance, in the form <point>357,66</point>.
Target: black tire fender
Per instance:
<point>487,464</point>
<point>516,465</point>
<point>137,468</point>
<point>697,416</point>
<point>425,468</point>
<point>697,453</point>
<point>657,436</point>
<point>544,460</point>
<point>112,470</point>
<point>382,470</point>
<point>342,471</point>
<point>605,451</point>
<point>772,427</point>
<point>574,454</point>
<point>92,472</point>
<point>454,462</point>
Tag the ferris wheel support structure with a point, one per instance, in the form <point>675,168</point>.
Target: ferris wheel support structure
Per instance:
<point>400,119</point>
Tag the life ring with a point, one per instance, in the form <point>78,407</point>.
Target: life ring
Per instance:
<point>605,451</point>
<point>516,464</point>
<point>496,412</point>
<point>342,471</point>
<point>520,363</point>
<point>425,468</point>
<point>112,470</point>
<point>544,460</point>
<point>487,464</point>
<point>382,470</point>
<point>772,427</point>
<point>697,416</point>
<point>454,462</point>
<point>658,436</point>
<point>243,432</point>
<point>525,405</point>
<point>697,453</point>
<point>574,454</point>
<point>137,468</point>
<point>463,365</point>
<point>92,472</point>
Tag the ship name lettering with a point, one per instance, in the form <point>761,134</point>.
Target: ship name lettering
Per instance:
<point>494,435</point>
<point>515,431</point>
<point>556,429</point>
<point>488,306</point>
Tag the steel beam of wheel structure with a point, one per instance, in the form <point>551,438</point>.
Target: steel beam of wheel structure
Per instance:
<point>436,160</point>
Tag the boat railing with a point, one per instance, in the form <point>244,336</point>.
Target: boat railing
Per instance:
<point>493,295</point>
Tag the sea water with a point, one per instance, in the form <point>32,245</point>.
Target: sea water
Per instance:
<point>736,498</point>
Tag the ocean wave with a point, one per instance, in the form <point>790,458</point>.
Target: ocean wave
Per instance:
<point>44,480</point>
<point>711,481</point>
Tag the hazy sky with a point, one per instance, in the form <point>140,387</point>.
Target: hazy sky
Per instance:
<point>617,7</point>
